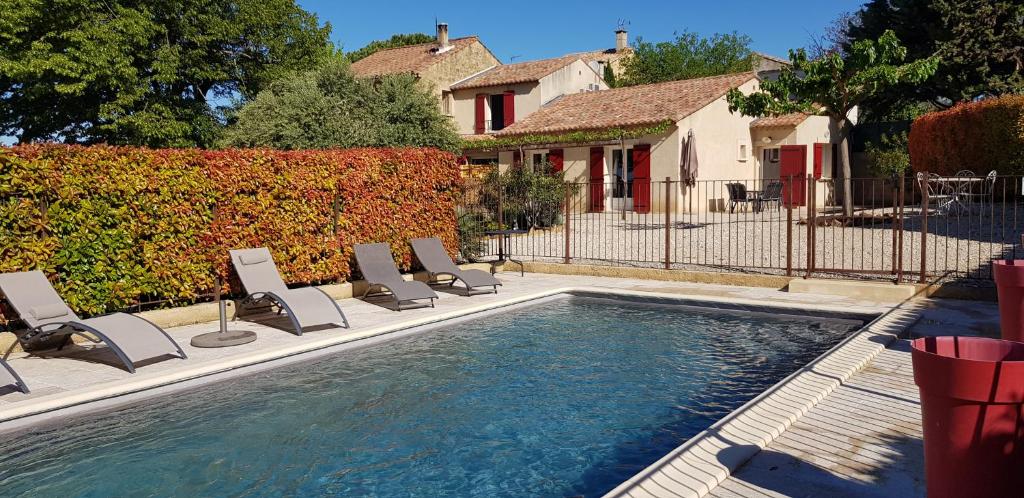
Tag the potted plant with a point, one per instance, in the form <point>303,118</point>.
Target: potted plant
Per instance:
<point>1009,277</point>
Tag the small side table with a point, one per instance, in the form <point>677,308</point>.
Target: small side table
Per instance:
<point>223,338</point>
<point>506,238</point>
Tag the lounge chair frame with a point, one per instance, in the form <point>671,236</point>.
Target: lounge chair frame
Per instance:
<point>452,278</point>
<point>17,378</point>
<point>271,298</point>
<point>72,328</point>
<point>370,251</point>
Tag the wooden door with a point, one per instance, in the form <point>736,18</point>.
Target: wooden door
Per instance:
<point>793,170</point>
<point>642,178</point>
<point>596,179</point>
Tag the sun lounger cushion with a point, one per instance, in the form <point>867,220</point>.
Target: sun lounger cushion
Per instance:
<point>45,311</point>
<point>253,258</point>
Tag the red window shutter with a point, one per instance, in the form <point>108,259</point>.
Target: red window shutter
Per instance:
<point>818,158</point>
<point>557,159</point>
<point>642,178</point>
<point>481,105</point>
<point>509,104</point>
<point>596,179</point>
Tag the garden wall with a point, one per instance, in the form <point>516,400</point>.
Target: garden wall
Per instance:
<point>119,225</point>
<point>979,136</point>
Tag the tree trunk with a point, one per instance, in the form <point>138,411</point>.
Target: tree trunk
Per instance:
<point>844,161</point>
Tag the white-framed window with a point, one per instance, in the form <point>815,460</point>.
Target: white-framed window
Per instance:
<point>742,151</point>
<point>771,155</point>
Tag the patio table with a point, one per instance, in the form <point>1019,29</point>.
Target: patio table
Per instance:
<point>954,189</point>
<point>505,238</point>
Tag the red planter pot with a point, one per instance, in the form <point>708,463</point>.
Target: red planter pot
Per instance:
<point>972,394</point>
<point>1009,277</point>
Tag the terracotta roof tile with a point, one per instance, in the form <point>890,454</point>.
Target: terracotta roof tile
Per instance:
<point>783,121</point>
<point>522,72</point>
<point>628,106</point>
<point>409,59</point>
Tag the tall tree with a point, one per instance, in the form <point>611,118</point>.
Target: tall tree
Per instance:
<point>329,107</point>
<point>834,85</point>
<point>980,44</point>
<point>143,71</point>
<point>399,40</point>
<point>688,56</point>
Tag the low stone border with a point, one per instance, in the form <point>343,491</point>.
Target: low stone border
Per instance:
<point>704,461</point>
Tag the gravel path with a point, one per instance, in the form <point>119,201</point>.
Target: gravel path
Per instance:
<point>958,246</point>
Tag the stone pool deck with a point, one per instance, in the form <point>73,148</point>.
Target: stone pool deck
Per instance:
<point>869,423</point>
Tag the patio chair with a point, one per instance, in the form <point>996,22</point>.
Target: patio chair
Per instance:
<point>985,192</point>
<point>772,193</point>
<point>8,377</point>
<point>306,306</point>
<point>738,195</point>
<point>131,338</point>
<point>378,268</point>
<point>436,261</point>
<point>940,192</point>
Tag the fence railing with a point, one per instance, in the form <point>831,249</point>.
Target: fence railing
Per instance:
<point>901,228</point>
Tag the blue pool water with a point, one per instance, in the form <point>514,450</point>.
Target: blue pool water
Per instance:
<point>565,398</point>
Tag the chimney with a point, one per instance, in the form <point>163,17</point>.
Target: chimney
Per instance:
<point>442,36</point>
<point>621,39</point>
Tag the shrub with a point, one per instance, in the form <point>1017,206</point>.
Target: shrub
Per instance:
<point>116,225</point>
<point>889,157</point>
<point>979,136</point>
<point>530,198</point>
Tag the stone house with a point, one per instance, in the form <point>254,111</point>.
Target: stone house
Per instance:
<point>437,64</point>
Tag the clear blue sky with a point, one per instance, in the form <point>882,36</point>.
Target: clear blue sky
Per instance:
<point>535,30</point>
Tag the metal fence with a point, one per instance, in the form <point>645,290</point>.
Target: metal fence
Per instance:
<point>919,228</point>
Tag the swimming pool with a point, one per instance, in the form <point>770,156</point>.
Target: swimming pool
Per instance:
<point>569,396</point>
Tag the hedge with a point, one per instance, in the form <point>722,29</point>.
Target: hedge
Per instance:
<point>979,136</point>
<point>115,226</point>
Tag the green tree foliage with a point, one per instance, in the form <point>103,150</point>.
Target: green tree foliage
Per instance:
<point>399,40</point>
<point>142,71</point>
<point>608,74</point>
<point>329,107</point>
<point>688,56</point>
<point>833,85</point>
<point>979,43</point>
<point>890,156</point>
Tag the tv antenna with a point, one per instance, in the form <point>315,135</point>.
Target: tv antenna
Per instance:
<point>621,24</point>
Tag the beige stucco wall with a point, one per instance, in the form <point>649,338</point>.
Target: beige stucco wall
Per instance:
<point>527,101</point>
<point>575,77</point>
<point>529,96</point>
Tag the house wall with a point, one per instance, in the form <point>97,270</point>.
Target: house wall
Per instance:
<point>527,101</point>
<point>529,96</point>
<point>457,67</point>
<point>573,78</point>
<point>718,134</point>
<point>814,129</point>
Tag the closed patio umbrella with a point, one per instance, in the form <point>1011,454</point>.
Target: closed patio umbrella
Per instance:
<point>688,166</point>
<point>688,161</point>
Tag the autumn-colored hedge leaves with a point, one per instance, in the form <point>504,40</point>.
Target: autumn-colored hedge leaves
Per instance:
<point>979,136</point>
<point>117,225</point>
